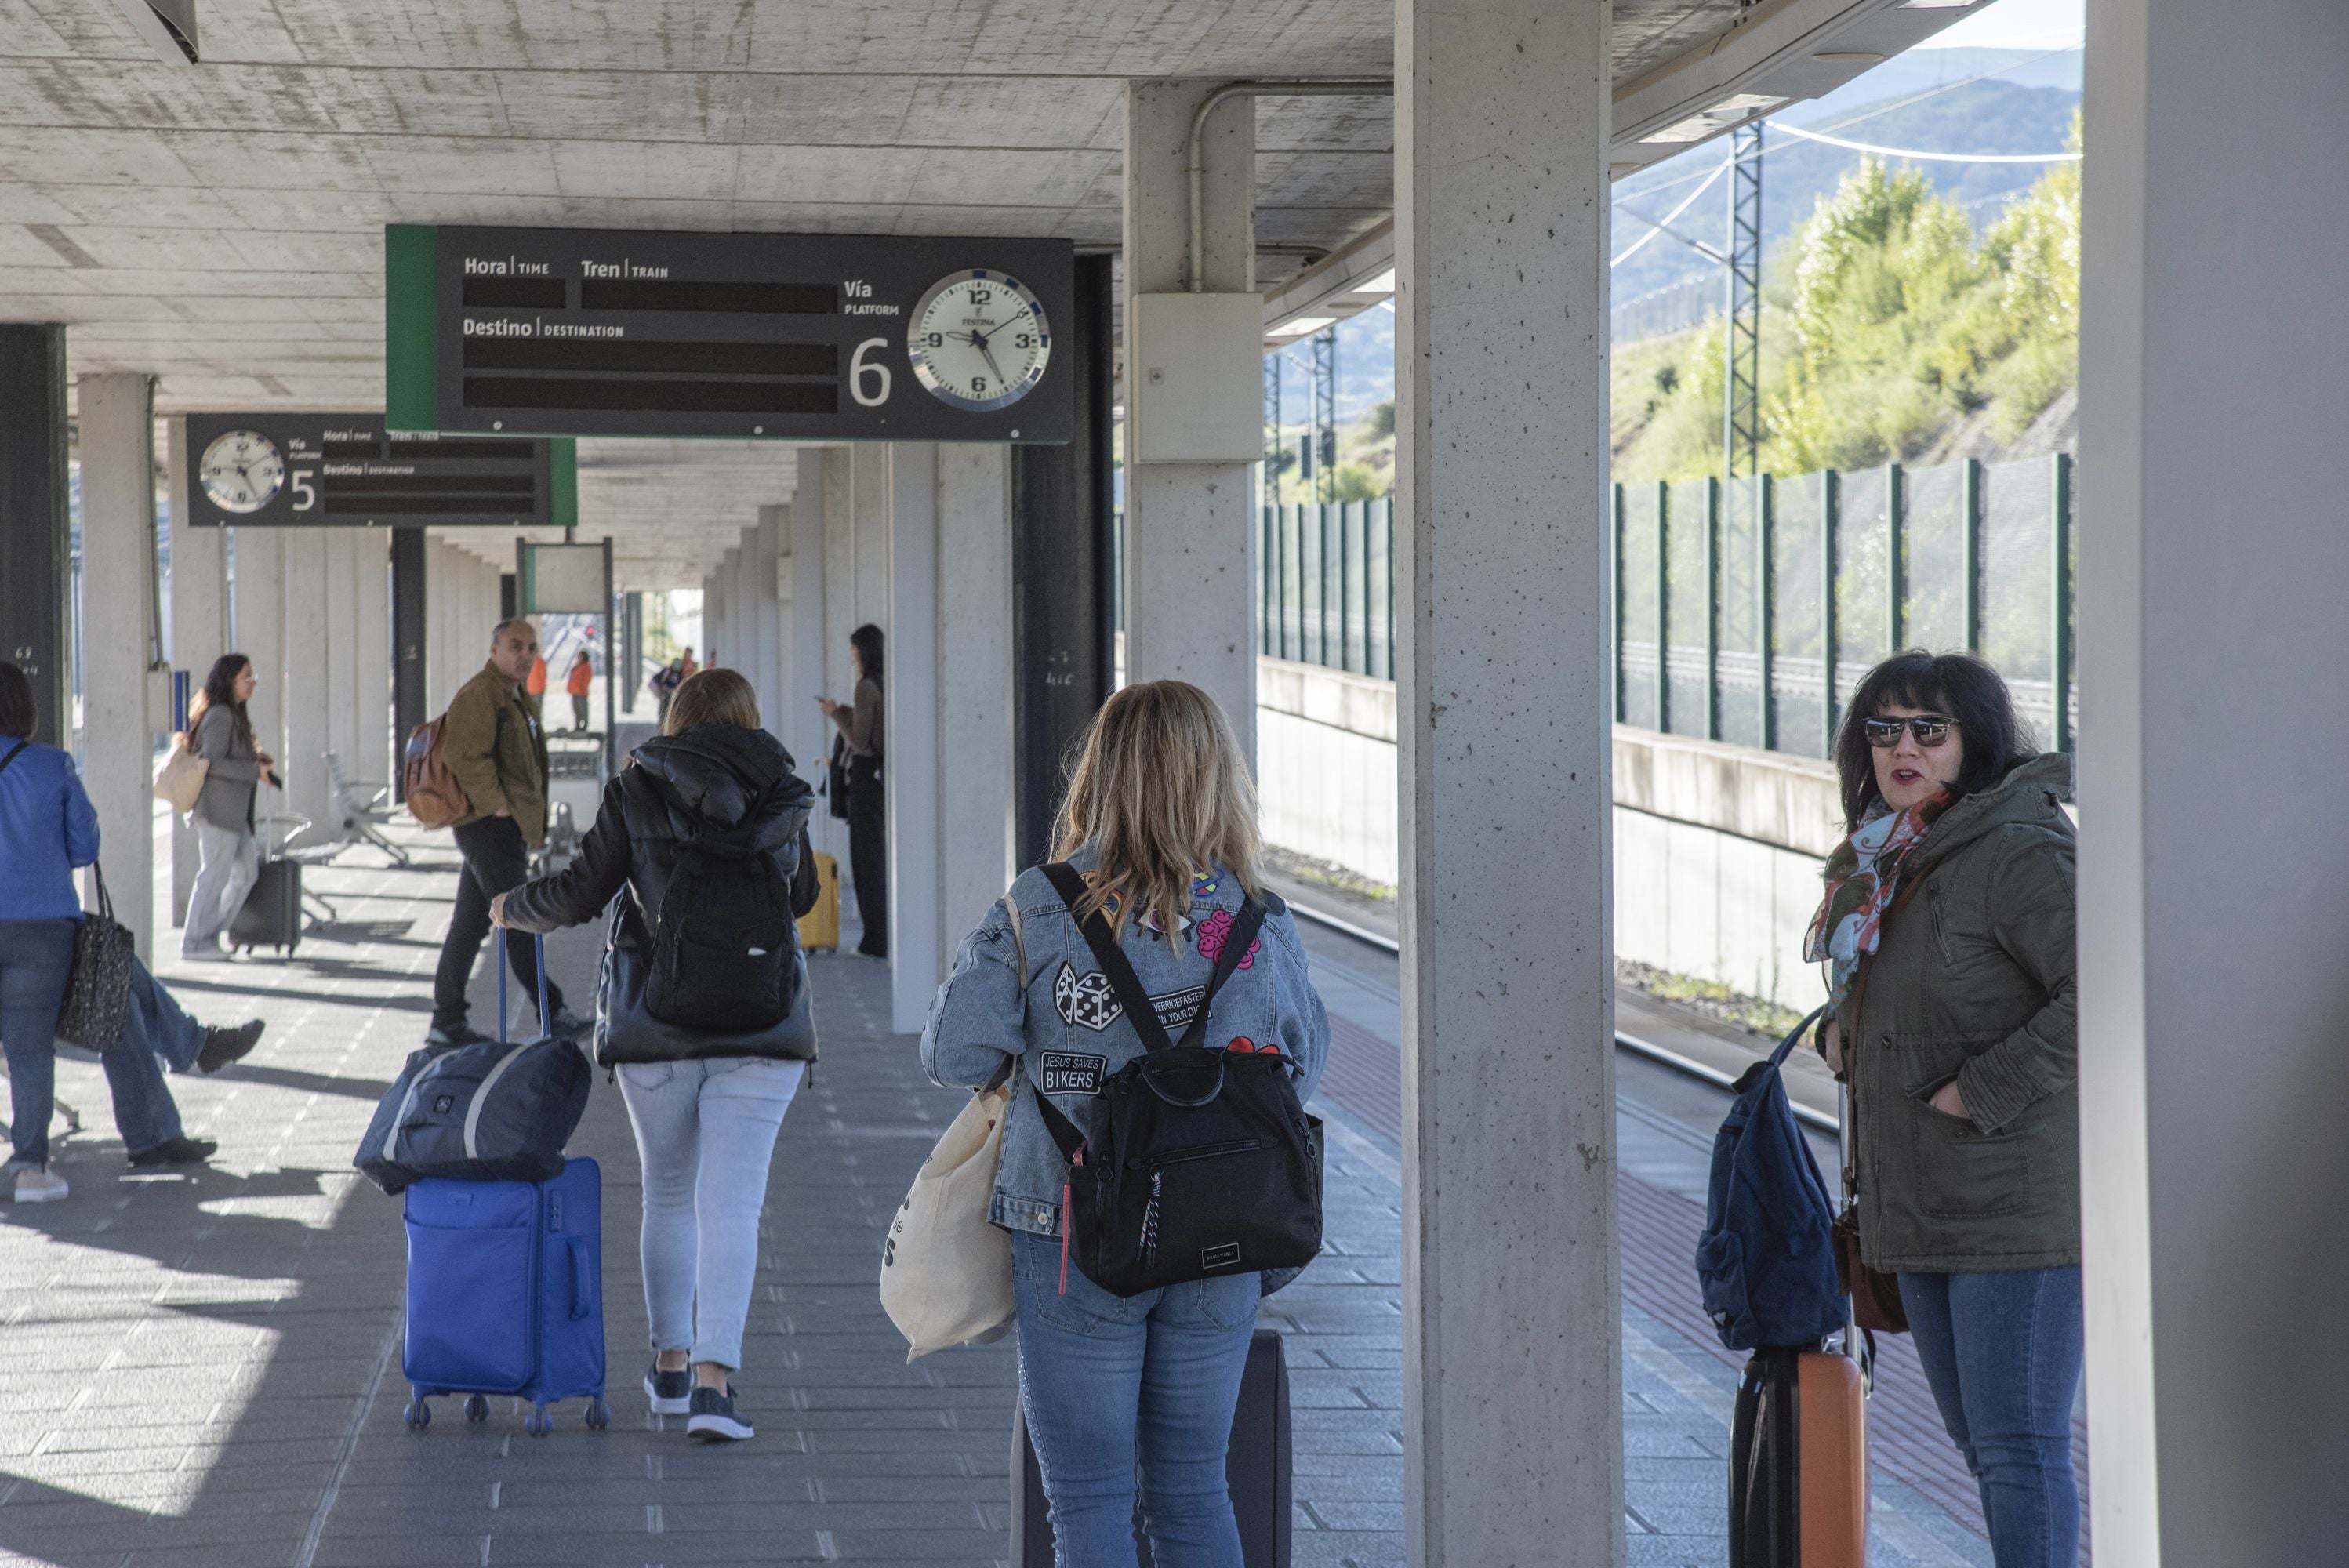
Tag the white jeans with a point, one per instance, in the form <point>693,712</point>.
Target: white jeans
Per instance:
<point>230,865</point>
<point>704,1133</point>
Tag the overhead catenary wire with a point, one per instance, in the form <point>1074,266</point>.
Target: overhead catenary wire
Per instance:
<point>1660,225</point>
<point>1911,153</point>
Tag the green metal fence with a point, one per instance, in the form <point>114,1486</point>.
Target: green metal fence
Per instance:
<point>1774,596</point>
<point>1327,596</point>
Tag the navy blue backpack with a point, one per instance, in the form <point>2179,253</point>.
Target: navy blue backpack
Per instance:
<point>1766,1260</point>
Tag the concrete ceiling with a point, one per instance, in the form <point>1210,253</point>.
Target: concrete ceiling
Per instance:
<point>221,226</point>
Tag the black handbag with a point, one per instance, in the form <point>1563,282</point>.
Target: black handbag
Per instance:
<point>1200,1162</point>
<point>97,990</point>
<point>835,776</point>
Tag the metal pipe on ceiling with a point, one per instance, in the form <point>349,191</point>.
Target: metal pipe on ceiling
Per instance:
<point>1361,86</point>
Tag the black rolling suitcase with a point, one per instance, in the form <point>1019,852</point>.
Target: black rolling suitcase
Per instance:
<point>1259,1469</point>
<point>272,915</point>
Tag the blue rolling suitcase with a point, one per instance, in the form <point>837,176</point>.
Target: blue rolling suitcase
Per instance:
<point>505,1289</point>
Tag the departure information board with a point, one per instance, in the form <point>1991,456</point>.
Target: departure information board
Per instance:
<point>348,470</point>
<point>801,336</point>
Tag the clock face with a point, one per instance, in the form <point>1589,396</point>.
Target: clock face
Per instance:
<point>979,340</point>
<point>241,471</point>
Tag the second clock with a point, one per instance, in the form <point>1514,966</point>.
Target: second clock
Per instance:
<point>979,340</point>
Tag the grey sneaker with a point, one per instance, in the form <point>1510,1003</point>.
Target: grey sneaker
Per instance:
<point>571,1025</point>
<point>713,1419</point>
<point>39,1184</point>
<point>442,1036</point>
<point>670,1392</point>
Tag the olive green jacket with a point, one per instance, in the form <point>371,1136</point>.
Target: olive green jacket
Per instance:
<point>1972,981</point>
<point>498,764</point>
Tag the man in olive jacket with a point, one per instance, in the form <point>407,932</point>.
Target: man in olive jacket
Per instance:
<point>493,744</point>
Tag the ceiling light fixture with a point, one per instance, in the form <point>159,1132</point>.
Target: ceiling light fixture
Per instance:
<point>1300,326</point>
<point>1384,284</point>
<point>1721,116</point>
<point>1933,5</point>
<point>1849,57</point>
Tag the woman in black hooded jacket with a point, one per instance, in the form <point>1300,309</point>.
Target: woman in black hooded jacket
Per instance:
<point>699,850</point>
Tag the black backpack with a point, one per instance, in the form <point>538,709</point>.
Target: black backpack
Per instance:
<point>723,941</point>
<point>1200,1162</point>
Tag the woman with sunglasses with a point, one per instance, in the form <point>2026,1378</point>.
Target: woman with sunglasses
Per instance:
<point>1947,929</point>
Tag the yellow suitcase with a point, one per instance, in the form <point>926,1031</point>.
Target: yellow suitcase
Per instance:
<point>820,927</point>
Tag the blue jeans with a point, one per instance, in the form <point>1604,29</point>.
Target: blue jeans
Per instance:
<point>2002,1354</point>
<point>1112,1384</point>
<point>705,1135</point>
<point>35,958</point>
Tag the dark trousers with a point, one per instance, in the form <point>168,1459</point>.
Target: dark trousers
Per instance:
<point>496,862</point>
<point>579,711</point>
<point>868,864</point>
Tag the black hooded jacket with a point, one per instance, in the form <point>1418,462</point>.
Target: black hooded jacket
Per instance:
<point>714,782</point>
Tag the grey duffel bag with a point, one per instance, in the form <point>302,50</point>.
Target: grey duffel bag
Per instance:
<point>498,1111</point>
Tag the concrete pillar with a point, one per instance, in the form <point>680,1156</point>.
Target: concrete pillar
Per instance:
<point>371,657</point>
<point>910,743</point>
<point>1512,1340</point>
<point>342,652</point>
<point>310,686</point>
<point>1190,528</point>
<point>2212,558</point>
<point>832,671</point>
<point>200,630</point>
<point>872,466</point>
<point>257,600</point>
<point>767,542</point>
<point>975,807</point>
<point>800,723</point>
<point>116,414</point>
<point>710,596</point>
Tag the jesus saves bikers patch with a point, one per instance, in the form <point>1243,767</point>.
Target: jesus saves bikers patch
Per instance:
<point>1065,1073</point>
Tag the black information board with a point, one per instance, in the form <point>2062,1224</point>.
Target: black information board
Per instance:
<point>803,336</point>
<point>349,470</point>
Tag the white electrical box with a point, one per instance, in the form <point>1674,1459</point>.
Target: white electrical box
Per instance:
<point>1195,378</point>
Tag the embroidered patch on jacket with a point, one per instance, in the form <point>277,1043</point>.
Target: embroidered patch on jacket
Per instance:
<point>1065,1073</point>
<point>1084,1001</point>
<point>1215,930</point>
<point>1177,1008</point>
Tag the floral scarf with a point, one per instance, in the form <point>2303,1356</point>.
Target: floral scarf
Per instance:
<point>1862,876</point>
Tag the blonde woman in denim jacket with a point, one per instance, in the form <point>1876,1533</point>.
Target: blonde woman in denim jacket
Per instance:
<point>1161,821</point>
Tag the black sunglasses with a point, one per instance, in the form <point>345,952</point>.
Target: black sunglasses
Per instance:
<point>1929,729</point>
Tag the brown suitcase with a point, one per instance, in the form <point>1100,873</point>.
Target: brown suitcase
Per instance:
<point>1799,1463</point>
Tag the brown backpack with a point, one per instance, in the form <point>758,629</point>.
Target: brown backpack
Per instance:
<point>434,797</point>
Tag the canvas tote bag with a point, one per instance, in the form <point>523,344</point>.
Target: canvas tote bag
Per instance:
<point>946,1269</point>
<point>181,778</point>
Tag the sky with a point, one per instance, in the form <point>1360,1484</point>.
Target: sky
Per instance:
<point>2016,24</point>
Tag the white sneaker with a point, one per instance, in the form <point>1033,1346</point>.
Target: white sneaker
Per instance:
<point>39,1184</point>
<point>210,952</point>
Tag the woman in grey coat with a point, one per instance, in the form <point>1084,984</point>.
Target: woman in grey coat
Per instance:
<point>219,733</point>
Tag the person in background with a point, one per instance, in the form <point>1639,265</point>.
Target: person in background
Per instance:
<point>686,667</point>
<point>219,732</point>
<point>1160,821</point>
<point>582,676</point>
<point>706,1104</point>
<point>493,743</point>
<point>859,722</point>
<point>535,685</point>
<point>48,828</point>
<point>1948,931</point>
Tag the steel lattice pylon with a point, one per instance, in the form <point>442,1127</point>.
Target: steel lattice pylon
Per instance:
<point>1741,434</point>
<point>1274,442</point>
<point>1325,413</point>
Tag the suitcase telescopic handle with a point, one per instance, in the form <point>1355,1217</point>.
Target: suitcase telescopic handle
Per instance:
<point>538,944</point>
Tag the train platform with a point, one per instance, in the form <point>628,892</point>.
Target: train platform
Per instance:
<point>203,1368</point>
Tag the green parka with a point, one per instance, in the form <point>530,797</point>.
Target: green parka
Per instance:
<point>499,760</point>
<point>1972,980</point>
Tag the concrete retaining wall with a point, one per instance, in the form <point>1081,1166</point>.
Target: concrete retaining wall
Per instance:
<point>1717,846</point>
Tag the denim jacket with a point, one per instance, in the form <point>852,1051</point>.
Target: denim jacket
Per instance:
<point>1069,1035</point>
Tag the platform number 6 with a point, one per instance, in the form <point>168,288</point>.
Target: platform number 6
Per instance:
<point>859,367</point>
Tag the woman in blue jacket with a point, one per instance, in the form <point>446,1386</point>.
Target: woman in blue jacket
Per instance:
<point>1161,821</point>
<point>48,828</point>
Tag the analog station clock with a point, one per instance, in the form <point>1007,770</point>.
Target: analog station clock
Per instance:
<point>979,340</point>
<point>241,471</point>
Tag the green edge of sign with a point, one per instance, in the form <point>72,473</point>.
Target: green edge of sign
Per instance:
<point>562,482</point>
<point>412,368</point>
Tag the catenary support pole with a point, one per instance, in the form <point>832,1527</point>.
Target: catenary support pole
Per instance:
<point>2212,558</point>
<point>1190,528</point>
<point>198,587</point>
<point>36,564</point>
<point>1512,1342</point>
